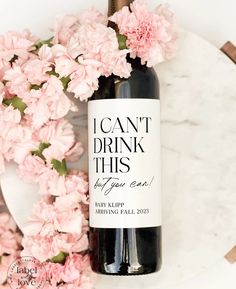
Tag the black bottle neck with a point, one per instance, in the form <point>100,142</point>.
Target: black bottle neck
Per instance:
<point>116,5</point>
<point>136,63</point>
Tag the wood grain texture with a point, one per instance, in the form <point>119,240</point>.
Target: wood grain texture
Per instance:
<point>230,50</point>
<point>231,256</point>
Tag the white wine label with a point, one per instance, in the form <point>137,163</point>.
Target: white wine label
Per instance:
<point>124,163</point>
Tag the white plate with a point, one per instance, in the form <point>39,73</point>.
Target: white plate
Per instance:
<point>198,98</point>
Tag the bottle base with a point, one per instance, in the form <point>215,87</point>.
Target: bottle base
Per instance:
<point>125,252</point>
<point>126,271</point>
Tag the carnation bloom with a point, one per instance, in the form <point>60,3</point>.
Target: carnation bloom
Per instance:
<point>150,36</point>
<point>64,28</point>
<point>92,15</point>
<point>9,244</point>
<point>69,221</point>
<point>83,73</point>
<point>9,122</point>
<point>31,168</point>
<point>84,81</point>
<point>91,52</point>
<point>48,218</point>
<point>6,261</point>
<point>75,152</point>
<point>53,273</point>
<point>41,222</point>
<point>36,71</point>
<point>80,265</point>
<point>59,134</point>
<point>74,272</point>
<point>96,41</point>
<point>57,101</point>
<point>17,44</point>
<point>15,139</point>
<point>44,248</point>
<point>50,102</point>
<point>75,182</point>
<point>17,82</point>
<point>4,66</point>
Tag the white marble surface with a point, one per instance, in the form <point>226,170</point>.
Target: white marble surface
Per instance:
<point>198,100</point>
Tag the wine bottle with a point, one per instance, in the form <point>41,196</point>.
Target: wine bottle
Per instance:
<point>124,171</point>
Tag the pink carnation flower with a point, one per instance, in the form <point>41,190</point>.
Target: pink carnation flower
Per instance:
<point>45,54</point>
<point>64,29</point>
<point>91,52</point>
<point>74,272</point>
<point>14,43</point>
<point>81,265</point>
<point>96,41</point>
<point>6,261</point>
<point>15,139</point>
<point>50,183</point>
<point>53,273</point>
<point>83,74</point>
<point>41,222</point>
<point>44,248</point>
<point>9,244</point>
<point>70,221</point>
<point>50,102</point>
<point>67,202</point>
<point>75,152</point>
<point>17,82</point>
<point>59,134</point>
<point>57,101</point>
<point>53,184</point>
<point>48,218</point>
<point>76,182</point>
<point>4,66</point>
<point>37,112</point>
<point>150,36</point>
<point>56,185</point>
<point>36,71</point>
<point>24,143</point>
<point>9,121</point>
<point>92,15</point>
<point>66,26</point>
<point>31,168</point>
<point>65,65</point>
<point>84,81</point>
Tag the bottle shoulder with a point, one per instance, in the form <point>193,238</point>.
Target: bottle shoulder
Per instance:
<point>142,83</point>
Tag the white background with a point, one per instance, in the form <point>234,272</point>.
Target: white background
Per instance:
<point>213,19</point>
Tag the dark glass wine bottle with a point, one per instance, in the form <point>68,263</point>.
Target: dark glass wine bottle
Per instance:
<point>124,171</point>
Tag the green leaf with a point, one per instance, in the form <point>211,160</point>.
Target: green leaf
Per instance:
<point>36,86</point>
<point>60,167</point>
<point>44,42</point>
<point>39,151</point>
<point>60,258</point>
<point>16,102</point>
<point>65,81</point>
<point>122,41</point>
<point>53,72</point>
